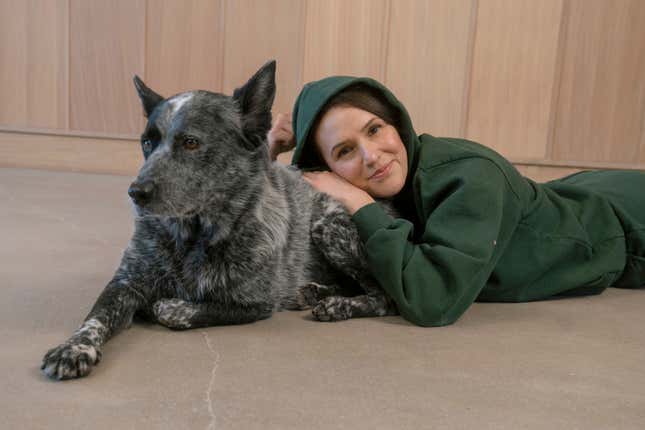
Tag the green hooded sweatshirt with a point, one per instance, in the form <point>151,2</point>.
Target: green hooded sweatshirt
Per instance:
<point>473,228</point>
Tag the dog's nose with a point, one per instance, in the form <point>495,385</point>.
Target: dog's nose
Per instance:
<point>141,192</point>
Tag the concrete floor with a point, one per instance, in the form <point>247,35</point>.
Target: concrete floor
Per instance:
<point>565,364</point>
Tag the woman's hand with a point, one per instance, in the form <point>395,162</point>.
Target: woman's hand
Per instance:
<point>280,137</point>
<point>353,198</point>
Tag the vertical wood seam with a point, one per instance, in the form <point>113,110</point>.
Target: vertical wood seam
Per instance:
<point>470,61</point>
<point>387,21</point>
<point>144,68</point>
<point>303,43</point>
<point>144,63</point>
<point>68,125</point>
<point>222,43</point>
<point>557,80</point>
<point>641,148</point>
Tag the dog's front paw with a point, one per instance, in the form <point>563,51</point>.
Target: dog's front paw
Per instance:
<point>335,308</point>
<point>308,295</point>
<point>70,360</point>
<point>174,313</point>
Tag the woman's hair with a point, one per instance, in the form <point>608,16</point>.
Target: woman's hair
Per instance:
<point>360,96</point>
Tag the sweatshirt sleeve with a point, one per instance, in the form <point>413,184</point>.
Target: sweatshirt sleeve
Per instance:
<point>471,212</point>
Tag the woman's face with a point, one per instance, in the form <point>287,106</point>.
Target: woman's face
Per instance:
<point>363,149</point>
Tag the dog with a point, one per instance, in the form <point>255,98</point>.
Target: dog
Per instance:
<point>222,234</point>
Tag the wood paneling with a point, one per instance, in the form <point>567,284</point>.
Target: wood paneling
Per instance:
<point>345,38</point>
<point>554,85</point>
<point>602,91</point>
<point>106,50</point>
<point>546,173</point>
<point>427,61</point>
<point>258,31</point>
<point>184,46</point>
<point>33,59</point>
<point>70,153</point>
<point>513,75</point>
<point>642,149</point>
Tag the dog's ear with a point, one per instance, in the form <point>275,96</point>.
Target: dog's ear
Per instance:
<point>149,98</point>
<point>255,99</point>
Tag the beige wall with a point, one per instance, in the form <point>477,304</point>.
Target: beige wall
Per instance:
<point>554,85</point>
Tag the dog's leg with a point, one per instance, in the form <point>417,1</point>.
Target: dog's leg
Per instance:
<point>338,308</point>
<point>179,314</point>
<point>336,236</point>
<point>113,311</point>
<point>308,295</point>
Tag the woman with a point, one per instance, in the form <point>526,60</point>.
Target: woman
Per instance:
<point>472,228</point>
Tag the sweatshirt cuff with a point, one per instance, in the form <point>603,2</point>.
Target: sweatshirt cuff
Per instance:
<point>369,219</point>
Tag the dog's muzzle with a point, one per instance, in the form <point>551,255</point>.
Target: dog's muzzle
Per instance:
<point>141,192</point>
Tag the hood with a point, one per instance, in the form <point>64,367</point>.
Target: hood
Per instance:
<point>313,98</point>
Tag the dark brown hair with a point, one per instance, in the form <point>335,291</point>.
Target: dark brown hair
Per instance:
<point>360,96</point>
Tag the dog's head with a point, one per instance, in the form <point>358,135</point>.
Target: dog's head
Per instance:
<point>202,149</point>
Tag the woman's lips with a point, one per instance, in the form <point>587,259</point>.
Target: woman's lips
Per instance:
<point>383,171</point>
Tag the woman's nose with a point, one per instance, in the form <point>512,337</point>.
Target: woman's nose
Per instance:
<point>370,152</point>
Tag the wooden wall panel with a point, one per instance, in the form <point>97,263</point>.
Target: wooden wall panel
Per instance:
<point>345,38</point>
<point>33,59</point>
<point>70,153</point>
<point>184,46</point>
<point>546,173</point>
<point>513,77</point>
<point>106,49</point>
<point>555,85</point>
<point>602,93</point>
<point>427,61</point>
<point>259,31</point>
<point>642,148</point>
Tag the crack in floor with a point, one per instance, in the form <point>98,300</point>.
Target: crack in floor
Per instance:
<point>209,401</point>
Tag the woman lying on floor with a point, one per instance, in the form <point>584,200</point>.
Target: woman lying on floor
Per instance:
<point>473,228</point>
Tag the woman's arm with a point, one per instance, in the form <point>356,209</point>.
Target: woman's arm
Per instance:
<point>471,213</point>
<point>350,196</point>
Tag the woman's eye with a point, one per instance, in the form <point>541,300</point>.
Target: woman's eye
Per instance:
<point>146,145</point>
<point>344,151</point>
<point>191,143</point>
<point>373,129</point>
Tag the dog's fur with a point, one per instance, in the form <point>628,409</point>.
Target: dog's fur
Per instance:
<point>222,234</point>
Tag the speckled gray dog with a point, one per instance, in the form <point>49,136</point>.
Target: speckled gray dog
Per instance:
<point>222,234</point>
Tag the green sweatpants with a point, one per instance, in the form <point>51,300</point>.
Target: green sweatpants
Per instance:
<point>625,190</point>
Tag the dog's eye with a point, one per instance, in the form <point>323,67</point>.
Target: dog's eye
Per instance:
<point>191,143</point>
<point>146,145</point>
